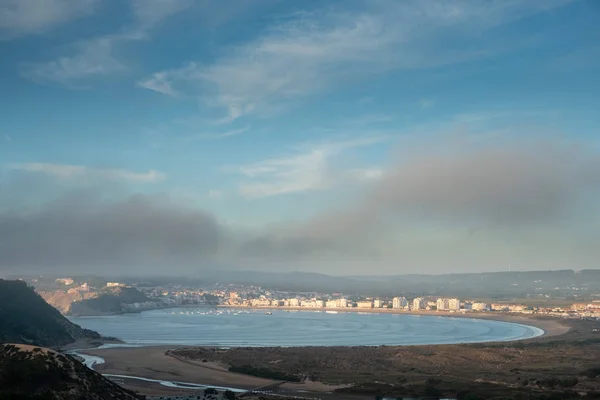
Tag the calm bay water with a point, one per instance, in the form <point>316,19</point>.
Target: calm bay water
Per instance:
<point>228,327</point>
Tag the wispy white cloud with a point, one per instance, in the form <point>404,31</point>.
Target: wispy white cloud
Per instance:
<point>158,83</point>
<point>427,103</point>
<point>310,168</point>
<point>304,55</point>
<point>23,17</point>
<point>368,119</point>
<point>150,13</point>
<point>95,57</point>
<point>66,171</point>
<point>233,132</point>
<point>215,194</point>
<point>367,100</point>
<point>219,135</point>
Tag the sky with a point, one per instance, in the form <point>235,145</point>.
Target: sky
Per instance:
<point>340,137</point>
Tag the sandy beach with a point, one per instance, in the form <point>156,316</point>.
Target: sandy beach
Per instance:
<point>551,326</point>
<point>152,362</point>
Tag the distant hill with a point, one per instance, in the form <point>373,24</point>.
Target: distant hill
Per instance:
<point>569,284</point>
<point>28,372</point>
<point>508,284</point>
<point>513,284</point>
<point>111,302</point>
<point>102,302</point>
<point>26,318</point>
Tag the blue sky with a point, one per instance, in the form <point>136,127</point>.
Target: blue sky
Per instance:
<point>276,117</point>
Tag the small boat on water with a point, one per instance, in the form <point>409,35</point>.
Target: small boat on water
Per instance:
<point>268,313</point>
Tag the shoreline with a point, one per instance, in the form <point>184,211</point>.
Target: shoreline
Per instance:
<point>155,363</point>
<point>143,368</point>
<point>87,343</point>
<point>551,326</point>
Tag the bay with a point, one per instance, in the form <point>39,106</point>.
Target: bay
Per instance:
<point>206,326</point>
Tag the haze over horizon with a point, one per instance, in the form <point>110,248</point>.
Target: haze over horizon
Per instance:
<point>338,137</point>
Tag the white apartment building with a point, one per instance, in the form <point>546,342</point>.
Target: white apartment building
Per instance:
<point>419,303</point>
<point>65,281</point>
<point>342,303</point>
<point>84,287</point>
<point>454,304</point>
<point>364,304</point>
<point>442,304</point>
<point>260,302</point>
<point>293,302</point>
<point>337,303</point>
<point>114,284</point>
<point>312,303</point>
<point>378,303</point>
<point>399,302</point>
<point>480,306</point>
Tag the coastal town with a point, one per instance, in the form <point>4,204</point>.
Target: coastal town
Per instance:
<point>69,295</point>
<point>401,303</point>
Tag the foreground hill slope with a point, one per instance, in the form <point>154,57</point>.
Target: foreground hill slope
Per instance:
<point>28,372</point>
<point>26,318</point>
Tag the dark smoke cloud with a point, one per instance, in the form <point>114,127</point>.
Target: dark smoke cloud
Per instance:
<point>507,185</point>
<point>77,231</point>
<point>464,206</point>
<point>471,208</point>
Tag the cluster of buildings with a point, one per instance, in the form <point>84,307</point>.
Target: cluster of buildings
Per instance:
<point>254,296</point>
<point>400,303</point>
<point>81,289</point>
<point>449,304</point>
<point>177,296</point>
<point>115,284</point>
<point>261,298</point>
<point>593,306</point>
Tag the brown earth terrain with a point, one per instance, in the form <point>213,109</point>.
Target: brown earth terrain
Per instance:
<point>31,372</point>
<point>62,300</point>
<point>566,366</point>
<point>554,366</point>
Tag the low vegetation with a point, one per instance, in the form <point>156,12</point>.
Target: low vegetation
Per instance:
<point>28,372</point>
<point>262,372</point>
<point>26,318</point>
<point>562,367</point>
